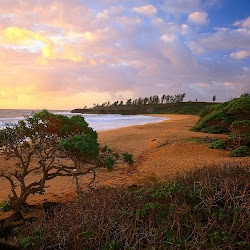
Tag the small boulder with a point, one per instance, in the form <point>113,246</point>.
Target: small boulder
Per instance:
<point>208,139</point>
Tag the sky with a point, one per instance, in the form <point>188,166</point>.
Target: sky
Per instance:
<point>61,54</point>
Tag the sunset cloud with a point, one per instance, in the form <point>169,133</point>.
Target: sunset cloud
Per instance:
<point>67,54</point>
<point>242,54</point>
<point>25,37</point>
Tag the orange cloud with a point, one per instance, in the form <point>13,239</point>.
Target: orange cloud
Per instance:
<point>23,36</point>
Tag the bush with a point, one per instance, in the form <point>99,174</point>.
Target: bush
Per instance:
<point>216,122</point>
<point>218,118</point>
<point>240,152</point>
<point>5,206</point>
<point>239,108</point>
<point>210,108</point>
<point>241,133</point>
<point>128,158</point>
<point>218,144</point>
<point>214,130</point>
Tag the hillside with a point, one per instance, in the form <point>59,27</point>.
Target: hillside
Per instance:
<point>233,118</point>
<point>190,108</point>
<point>218,118</point>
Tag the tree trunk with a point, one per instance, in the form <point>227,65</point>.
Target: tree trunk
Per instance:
<point>19,204</point>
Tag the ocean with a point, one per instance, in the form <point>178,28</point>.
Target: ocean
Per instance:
<point>100,122</point>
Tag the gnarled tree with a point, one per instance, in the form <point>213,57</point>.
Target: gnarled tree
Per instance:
<point>53,145</point>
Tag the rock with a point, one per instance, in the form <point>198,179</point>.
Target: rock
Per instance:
<point>133,186</point>
<point>208,139</point>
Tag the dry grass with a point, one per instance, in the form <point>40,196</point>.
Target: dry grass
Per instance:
<point>207,208</point>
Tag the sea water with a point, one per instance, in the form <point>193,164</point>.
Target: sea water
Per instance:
<point>99,122</point>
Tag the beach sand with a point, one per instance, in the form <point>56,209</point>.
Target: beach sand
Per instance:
<point>159,150</point>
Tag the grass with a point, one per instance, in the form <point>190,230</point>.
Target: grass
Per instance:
<point>197,140</point>
<point>207,208</point>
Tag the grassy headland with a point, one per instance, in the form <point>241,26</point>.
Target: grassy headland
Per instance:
<point>190,108</point>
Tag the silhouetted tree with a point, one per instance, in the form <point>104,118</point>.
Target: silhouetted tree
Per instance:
<point>129,102</point>
<point>245,95</point>
<point>145,101</point>
<point>163,98</point>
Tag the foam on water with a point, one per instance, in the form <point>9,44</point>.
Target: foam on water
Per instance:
<point>99,122</point>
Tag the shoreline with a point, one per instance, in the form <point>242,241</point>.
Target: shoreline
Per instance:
<point>94,123</point>
<point>160,150</point>
<point>129,126</point>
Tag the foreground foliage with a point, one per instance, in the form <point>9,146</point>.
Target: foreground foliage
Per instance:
<point>204,209</point>
<point>50,146</point>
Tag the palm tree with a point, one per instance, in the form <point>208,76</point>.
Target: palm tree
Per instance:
<point>163,98</point>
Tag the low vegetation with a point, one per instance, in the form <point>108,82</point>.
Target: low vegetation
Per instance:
<point>233,118</point>
<point>217,119</point>
<point>204,209</point>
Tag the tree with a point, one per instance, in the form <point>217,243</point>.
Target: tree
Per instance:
<point>129,102</point>
<point>163,98</point>
<point>52,145</point>
<point>145,100</point>
<point>115,103</point>
<point>214,98</point>
<point>245,95</point>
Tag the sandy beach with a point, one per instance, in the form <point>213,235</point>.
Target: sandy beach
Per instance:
<point>159,150</point>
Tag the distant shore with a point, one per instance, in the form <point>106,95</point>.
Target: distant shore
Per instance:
<point>159,149</point>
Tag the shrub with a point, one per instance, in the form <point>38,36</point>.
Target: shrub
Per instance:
<point>240,132</point>
<point>239,108</point>
<point>215,122</point>
<point>240,152</point>
<point>214,130</point>
<point>210,108</point>
<point>223,115</point>
<point>218,144</point>
<point>128,158</point>
<point>5,206</point>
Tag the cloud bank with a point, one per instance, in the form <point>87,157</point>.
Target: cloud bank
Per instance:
<point>68,54</point>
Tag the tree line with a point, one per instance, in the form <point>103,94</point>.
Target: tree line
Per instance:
<point>155,99</point>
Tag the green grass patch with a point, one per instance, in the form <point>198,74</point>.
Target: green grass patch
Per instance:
<point>240,152</point>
